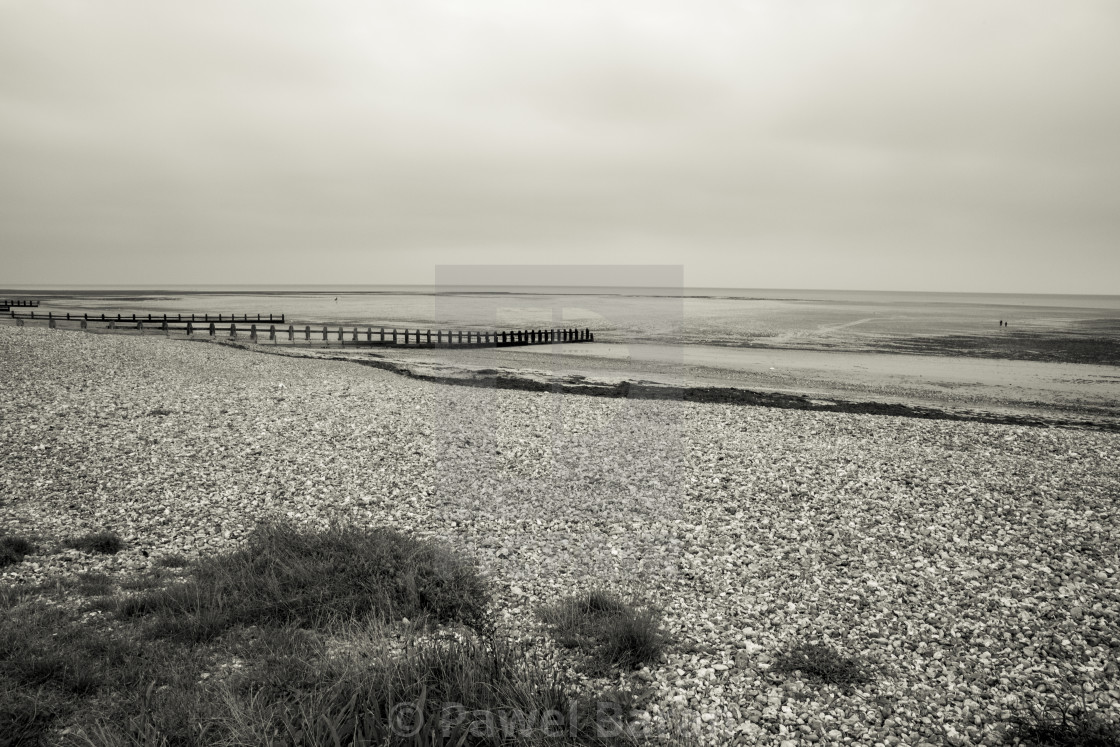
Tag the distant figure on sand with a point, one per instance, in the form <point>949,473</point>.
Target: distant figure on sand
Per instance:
<point>1001,322</point>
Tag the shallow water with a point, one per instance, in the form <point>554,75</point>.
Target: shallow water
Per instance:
<point>1041,327</point>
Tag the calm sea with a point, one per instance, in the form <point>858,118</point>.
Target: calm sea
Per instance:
<point>813,319</point>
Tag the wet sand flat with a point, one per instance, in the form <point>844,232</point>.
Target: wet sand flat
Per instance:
<point>1033,387</point>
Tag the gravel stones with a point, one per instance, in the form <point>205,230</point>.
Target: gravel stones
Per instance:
<point>974,565</point>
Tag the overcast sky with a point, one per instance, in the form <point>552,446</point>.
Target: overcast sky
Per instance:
<point>969,145</point>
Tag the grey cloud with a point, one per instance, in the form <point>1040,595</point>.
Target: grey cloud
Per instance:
<point>395,133</point>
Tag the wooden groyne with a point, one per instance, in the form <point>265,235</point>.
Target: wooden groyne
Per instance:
<point>152,318</point>
<point>18,303</point>
<point>245,327</point>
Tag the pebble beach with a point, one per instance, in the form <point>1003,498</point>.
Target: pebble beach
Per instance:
<point>973,564</point>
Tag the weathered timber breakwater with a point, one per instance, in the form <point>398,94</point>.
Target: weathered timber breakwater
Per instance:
<point>270,327</point>
<point>974,565</point>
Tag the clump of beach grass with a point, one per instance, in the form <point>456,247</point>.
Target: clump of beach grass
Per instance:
<point>285,576</point>
<point>613,632</point>
<point>105,543</point>
<point>172,560</point>
<point>1063,725</point>
<point>823,664</point>
<point>13,549</point>
<point>94,584</point>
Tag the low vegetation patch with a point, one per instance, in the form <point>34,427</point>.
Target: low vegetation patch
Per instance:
<point>13,549</point>
<point>48,664</point>
<point>1062,726</point>
<point>94,584</point>
<point>474,691</point>
<point>285,576</point>
<point>105,543</point>
<point>611,631</point>
<point>823,664</point>
<point>295,640</point>
<point>174,560</point>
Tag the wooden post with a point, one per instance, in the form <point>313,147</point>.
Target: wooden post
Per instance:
<point>394,335</point>
<point>272,332</point>
<point>190,327</point>
<point>439,337</point>
<point>140,327</point>
<point>291,333</point>
<point>67,316</point>
<point>19,321</point>
<point>253,333</point>
<point>211,329</point>
<point>324,333</point>
<point>382,334</point>
<point>355,334</point>
<point>166,331</point>
<point>369,334</point>
<point>429,337</point>
<point>85,324</point>
<point>232,330</point>
<point>307,333</point>
<point>51,323</point>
